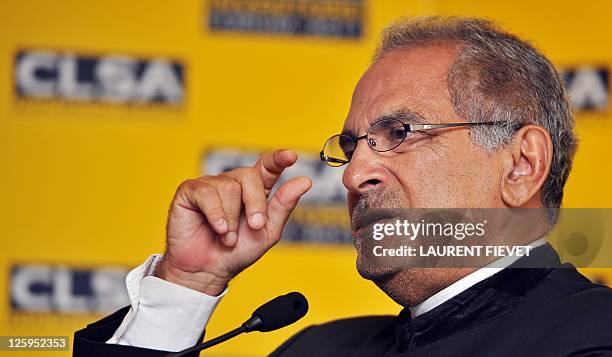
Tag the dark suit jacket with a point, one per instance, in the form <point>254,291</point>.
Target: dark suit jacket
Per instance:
<point>521,311</point>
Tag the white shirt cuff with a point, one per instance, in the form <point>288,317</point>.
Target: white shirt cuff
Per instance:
<point>163,316</point>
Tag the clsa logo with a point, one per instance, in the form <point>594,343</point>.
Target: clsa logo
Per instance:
<point>112,78</point>
<point>47,288</point>
<point>588,87</point>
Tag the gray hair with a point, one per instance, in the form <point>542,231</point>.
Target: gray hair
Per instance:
<point>498,77</point>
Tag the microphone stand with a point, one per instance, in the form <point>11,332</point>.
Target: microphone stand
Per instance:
<point>248,326</point>
<point>277,313</point>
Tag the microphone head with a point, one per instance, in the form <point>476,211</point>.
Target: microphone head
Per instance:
<point>280,312</point>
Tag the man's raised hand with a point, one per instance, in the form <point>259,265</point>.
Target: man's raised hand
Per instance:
<point>219,225</point>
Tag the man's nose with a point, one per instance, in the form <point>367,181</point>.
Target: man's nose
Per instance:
<point>364,171</point>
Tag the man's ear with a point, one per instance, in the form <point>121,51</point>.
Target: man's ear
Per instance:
<point>531,158</point>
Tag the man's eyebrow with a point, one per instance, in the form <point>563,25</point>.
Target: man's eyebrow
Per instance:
<point>349,132</point>
<point>404,115</point>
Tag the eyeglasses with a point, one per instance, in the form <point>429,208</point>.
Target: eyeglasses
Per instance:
<point>384,135</point>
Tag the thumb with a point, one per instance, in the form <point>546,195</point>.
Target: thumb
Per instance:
<point>283,202</point>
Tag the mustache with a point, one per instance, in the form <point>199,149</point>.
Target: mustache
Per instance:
<point>376,205</point>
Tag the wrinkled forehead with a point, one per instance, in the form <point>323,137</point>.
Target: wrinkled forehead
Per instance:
<point>411,81</point>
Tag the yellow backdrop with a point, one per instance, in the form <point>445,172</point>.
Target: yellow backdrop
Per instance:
<point>88,185</point>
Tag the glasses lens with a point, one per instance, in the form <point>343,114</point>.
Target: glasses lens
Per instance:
<point>386,135</point>
<point>338,150</point>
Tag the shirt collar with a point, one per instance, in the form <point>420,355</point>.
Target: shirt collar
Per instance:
<point>467,281</point>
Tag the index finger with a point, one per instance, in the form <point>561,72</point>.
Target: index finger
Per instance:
<point>272,165</point>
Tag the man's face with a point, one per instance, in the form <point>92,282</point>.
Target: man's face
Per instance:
<point>441,169</point>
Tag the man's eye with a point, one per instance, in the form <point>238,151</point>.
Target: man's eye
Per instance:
<point>397,134</point>
<point>347,149</point>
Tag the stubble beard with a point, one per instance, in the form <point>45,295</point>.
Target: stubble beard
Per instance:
<point>374,199</point>
<point>406,285</point>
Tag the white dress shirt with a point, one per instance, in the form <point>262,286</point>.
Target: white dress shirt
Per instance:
<point>170,317</point>
<point>163,315</point>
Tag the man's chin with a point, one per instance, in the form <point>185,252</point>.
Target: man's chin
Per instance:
<point>373,272</point>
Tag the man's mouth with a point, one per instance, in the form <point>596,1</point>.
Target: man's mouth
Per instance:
<point>370,217</point>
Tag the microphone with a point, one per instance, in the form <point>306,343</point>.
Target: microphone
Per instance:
<point>276,313</point>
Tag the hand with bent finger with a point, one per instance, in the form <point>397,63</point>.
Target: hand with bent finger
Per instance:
<point>220,225</point>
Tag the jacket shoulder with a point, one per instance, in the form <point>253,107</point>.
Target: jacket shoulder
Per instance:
<point>566,315</point>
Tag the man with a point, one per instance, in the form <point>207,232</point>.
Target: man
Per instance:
<point>498,135</point>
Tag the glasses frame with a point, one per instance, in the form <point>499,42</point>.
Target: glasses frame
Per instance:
<point>408,128</point>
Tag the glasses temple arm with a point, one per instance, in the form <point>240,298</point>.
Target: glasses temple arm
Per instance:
<point>417,127</point>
